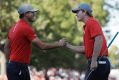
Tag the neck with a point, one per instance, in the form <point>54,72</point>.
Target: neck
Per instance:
<point>27,21</point>
<point>86,19</point>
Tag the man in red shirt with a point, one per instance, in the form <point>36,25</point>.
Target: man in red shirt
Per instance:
<point>19,44</point>
<point>95,48</point>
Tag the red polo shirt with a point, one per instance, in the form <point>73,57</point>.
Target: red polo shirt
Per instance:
<point>21,36</point>
<point>91,30</point>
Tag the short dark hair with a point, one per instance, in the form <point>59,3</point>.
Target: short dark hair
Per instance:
<point>21,16</point>
<point>89,14</point>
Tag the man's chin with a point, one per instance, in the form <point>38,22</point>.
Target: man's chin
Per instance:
<point>31,20</point>
<point>79,19</point>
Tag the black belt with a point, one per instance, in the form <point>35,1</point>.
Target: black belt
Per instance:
<point>18,63</point>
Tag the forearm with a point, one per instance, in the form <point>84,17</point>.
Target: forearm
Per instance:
<point>79,49</point>
<point>43,45</point>
<point>50,45</point>
<point>97,47</point>
<point>6,48</point>
<point>6,51</point>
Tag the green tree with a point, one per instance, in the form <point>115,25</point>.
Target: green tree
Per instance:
<point>114,56</point>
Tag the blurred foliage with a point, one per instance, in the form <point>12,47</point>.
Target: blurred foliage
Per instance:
<point>54,21</point>
<point>114,56</point>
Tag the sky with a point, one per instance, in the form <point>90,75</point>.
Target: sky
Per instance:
<point>113,24</point>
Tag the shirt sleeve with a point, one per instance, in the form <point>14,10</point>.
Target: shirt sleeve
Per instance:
<point>95,29</point>
<point>30,34</point>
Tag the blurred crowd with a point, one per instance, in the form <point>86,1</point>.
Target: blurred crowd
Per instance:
<point>61,74</point>
<point>55,74</point>
<point>51,74</point>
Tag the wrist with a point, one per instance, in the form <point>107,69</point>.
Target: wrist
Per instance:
<point>94,59</point>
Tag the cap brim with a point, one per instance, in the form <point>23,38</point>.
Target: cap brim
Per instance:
<point>34,10</point>
<point>74,11</point>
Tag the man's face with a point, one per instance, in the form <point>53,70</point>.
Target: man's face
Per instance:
<point>31,16</point>
<point>80,15</point>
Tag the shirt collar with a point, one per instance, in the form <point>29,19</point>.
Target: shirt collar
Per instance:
<point>87,21</point>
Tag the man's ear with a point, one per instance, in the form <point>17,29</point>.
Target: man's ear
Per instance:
<point>26,14</point>
<point>85,12</point>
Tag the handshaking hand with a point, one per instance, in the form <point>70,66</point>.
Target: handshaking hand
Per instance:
<point>62,42</point>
